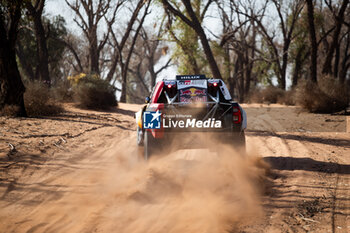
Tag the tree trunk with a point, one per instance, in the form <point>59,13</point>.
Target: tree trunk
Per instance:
<point>208,53</point>
<point>40,35</point>
<point>297,67</point>
<point>336,62</point>
<point>43,53</point>
<point>94,54</point>
<point>344,63</point>
<point>112,69</point>
<point>247,72</point>
<point>312,39</point>
<point>125,66</point>
<point>239,77</point>
<point>284,64</point>
<point>204,41</point>
<point>11,86</point>
<point>123,93</point>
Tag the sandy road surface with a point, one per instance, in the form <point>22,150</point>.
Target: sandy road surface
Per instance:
<point>81,172</point>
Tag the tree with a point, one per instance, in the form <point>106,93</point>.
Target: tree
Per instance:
<point>11,86</point>
<point>288,14</point>
<point>76,54</point>
<point>187,53</point>
<point>95,12</point>
<point>194,21</point>
<point>27,48</point>
<point>345,64</point>
<point>312,39</point>
<point>35,9</point>
<point>122,57</point>
<point>238,46</point>
<point>148,52</point>
<point>339,21</point>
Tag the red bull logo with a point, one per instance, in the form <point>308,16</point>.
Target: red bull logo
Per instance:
<point>199,92</point>
<point>192,92</point>
<point>185,92</point>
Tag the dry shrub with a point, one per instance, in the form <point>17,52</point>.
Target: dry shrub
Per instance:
<point>255,96</point>
<point>39,100</point>
<point>270,95</point>
<point>288,98</point>
<point>9,110</point>
<point>95,93</point>
<point>327,96</point>
<point>63,92</point>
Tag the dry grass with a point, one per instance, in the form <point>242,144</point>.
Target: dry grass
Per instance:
<point>288,98</point>
<point>9,110</point>
<point>271,95</point>
<point>39,100</point>
<point>327,96</point>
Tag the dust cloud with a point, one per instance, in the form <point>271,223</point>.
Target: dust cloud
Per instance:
<point>187,190</point>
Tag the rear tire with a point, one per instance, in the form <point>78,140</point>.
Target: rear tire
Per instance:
<point>147,145</point>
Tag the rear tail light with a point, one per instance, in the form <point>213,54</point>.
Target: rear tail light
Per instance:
<point>237,117</point>
<point>169,86</point>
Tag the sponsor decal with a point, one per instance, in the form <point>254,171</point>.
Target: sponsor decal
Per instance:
<point>195,83</point>
<point>193,99</point>
<point>192,123</point>
<point>152,120</point>
<point>183,77</point>
<point>192,92</point>
<point>185,92</point>
<point>190,95</point>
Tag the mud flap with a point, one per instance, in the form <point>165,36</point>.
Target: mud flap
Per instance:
<point>139,136</point>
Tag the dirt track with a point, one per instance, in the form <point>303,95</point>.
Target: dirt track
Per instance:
<point>81,172</point>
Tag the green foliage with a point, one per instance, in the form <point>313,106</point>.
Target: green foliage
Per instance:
<point>27,45</point>
<point>56,49</point>
<point>188,53</point>
<point>27,42</point>
<point>94,93</point>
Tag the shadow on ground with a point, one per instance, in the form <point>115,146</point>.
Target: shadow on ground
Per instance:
<point>307,138</point>
<point>306,164</point>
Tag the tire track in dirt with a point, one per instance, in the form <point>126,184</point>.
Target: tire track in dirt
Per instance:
<point>305,194</point>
